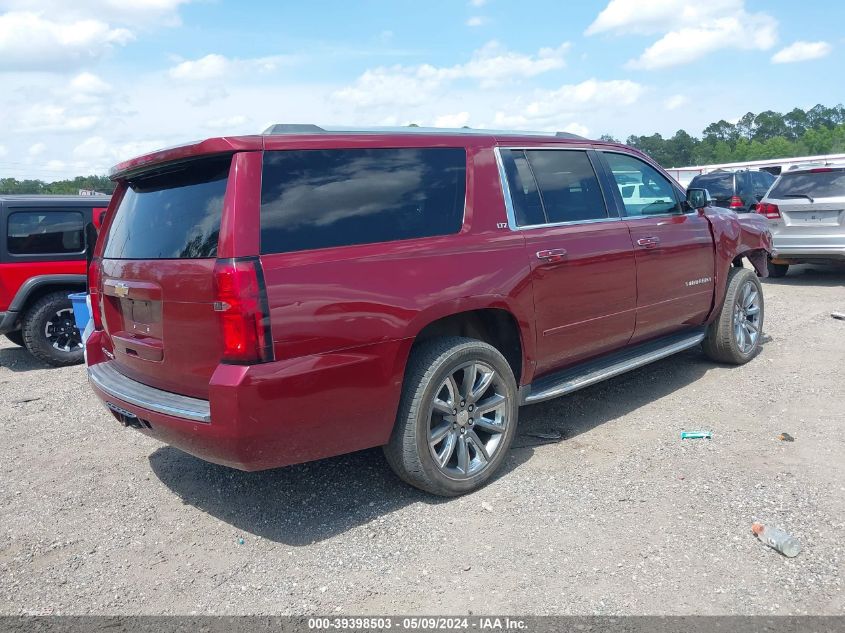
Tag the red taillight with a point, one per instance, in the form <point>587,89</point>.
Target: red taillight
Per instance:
<point>736,202</point>
<point>769,210</point>
<point>241,302</point>
<point>94,276</point>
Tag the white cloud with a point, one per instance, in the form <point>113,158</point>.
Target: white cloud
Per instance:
<point>490,66</point>
<point>30,41</point>
<point>37,149</point>
<point>227,123</point>
<point>459,119</point>
<point>3,151</point>
<point>55,165</point>
<point>476,20</point>
<point>676,101</point>
<point>801,52</point>
<point>132,13</point>
<point>88,83</point>
<point>477,3</point>
<point>546,109</point>
<point>689,29</point>
<point>41,117</point>
<point>214,66</point>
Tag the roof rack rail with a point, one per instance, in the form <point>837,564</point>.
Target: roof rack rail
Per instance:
<point>294,128</point>
<point>310,128</point>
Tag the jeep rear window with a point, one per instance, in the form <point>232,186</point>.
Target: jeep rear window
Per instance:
<point>172,213</point>
<point>323,198</point>
<point>820,184</point>
<point>720,186</point>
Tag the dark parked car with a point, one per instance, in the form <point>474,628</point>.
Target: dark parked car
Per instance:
<point>738,190</point>
<point>42,260</point>
<point>266,300</point>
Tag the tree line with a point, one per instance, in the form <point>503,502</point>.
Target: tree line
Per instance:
<point>769,134</point>
<point>64,187</point>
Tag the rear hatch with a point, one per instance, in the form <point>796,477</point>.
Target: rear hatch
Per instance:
<point>720,186</point>
<point>157,276</point>
<point>812,208</point>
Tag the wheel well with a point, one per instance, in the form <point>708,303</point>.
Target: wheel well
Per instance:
<point>494,326</point>
<point>45,289</point>
<point>758,259</point>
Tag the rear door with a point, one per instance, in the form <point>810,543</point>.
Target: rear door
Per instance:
<point>582,263</point>
<point>157,276</point>
<point>674,250</point>
<point>812,210</point>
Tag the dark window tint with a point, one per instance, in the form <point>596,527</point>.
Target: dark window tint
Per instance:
<point>171,214</point>
<point>762,181</point>
<point>654,194</point>
<point>525,197</point>
<point>324,198</point>
<point>821,184</point>
<point>720,186</point>
<point>568,185</point>
<point>45,233</point>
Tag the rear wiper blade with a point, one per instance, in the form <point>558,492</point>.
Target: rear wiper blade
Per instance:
<point>798,195</point>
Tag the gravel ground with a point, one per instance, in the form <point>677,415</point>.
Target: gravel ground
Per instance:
<point>621,517</point>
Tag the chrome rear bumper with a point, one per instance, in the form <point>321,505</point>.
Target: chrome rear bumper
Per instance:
<point>110,381</point>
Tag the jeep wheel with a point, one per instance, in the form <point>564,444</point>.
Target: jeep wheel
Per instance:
<point>734,337</point>
<point>778,270</point>
<point>457,416</point>
<point>50,333</point>
<point>16,337</point>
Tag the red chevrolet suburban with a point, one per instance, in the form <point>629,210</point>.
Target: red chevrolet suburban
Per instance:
<point>266,300</point>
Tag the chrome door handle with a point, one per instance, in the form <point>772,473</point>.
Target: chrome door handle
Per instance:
<point>552,254</point>
<point>648,242</point>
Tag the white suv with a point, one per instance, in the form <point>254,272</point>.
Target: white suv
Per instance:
<point>806,212</point>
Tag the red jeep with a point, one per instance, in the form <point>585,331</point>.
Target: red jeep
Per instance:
<point>266,300</point>
<point>42,260</point>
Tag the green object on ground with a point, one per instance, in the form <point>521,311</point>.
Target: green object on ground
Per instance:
<point>696,435</point>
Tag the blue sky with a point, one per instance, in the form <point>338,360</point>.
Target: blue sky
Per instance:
<point>92,82</point>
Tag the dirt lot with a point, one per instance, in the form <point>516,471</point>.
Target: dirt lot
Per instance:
<point>619,517</point>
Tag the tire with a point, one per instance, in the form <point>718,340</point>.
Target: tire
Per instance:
<point>778,270</point>
<point>16,337</point>
<point>433,370</point>
<point>734,337</point>
<point>53,309</point>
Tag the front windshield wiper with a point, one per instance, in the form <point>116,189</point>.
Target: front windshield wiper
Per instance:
<point>798,195</point>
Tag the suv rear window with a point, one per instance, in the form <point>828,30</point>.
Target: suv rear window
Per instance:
<point>323,198</point>
<point>173,213</point>
<point>45,233</point>
<point>720,186</point>
<point>819,184</point>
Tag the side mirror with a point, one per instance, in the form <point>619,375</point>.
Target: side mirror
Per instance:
<point>698,198</point>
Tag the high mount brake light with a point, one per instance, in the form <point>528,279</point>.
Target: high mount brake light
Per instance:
<point>241,303</point>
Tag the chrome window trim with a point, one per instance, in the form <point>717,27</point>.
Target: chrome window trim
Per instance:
<point>506,191</point>
<point>671,182</point>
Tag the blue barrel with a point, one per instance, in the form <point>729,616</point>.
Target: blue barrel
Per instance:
<point>80,309</point>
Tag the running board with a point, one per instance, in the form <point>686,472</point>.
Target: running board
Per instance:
<point>575,378</point>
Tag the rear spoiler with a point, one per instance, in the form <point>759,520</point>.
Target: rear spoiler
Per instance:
<point>196,149</point>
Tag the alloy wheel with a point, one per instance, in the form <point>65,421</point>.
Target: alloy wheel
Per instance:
<point>61,331</point>
<point>747,317</point>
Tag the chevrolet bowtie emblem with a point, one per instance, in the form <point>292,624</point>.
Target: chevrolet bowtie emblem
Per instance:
<point>121,289</point>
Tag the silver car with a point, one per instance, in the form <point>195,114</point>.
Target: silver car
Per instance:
<point>806,211</point>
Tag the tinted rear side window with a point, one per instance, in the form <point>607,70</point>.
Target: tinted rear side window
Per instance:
<point>568,185</point>
<point>45,233</point>
<point>762,181</point>
<point>171,214</point>
<point>324,198</point>
<point>721,186</point>
<point>822,184</point>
